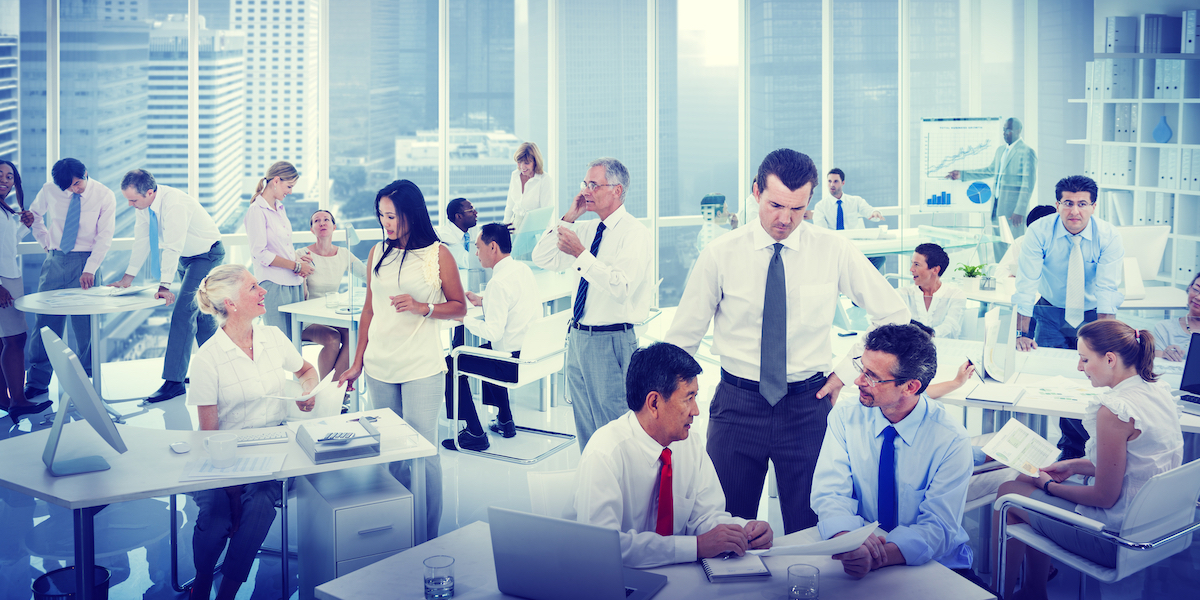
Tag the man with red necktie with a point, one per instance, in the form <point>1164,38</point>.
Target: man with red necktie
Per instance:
<point>644,476</point>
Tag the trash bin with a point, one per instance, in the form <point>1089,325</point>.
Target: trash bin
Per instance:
<point>60,584</point>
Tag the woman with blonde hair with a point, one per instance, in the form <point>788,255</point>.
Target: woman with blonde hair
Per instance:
<point>1134,434</point>
<point>236,375</point>
<point>412,282</point>
<point>530,188</point>
<point>280,272</point>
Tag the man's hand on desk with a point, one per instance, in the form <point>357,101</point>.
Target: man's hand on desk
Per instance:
<point>165,294</point>
<point>1024,342</point>
<point>87,280</point>
<point>721,539</point>
<point>759,534</point>
<point>474,298</point>
<point>123,282</point>
<point>864,559</point>
<point>833,386</point>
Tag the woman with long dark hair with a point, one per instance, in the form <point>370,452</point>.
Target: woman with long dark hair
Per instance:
<point>12,321</point>
<point>412,280</point>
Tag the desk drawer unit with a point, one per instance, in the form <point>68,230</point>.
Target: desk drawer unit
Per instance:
<point>349,519</point>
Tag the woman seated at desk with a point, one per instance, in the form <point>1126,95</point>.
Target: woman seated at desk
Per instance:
<point>231,376</point>
<point>329,267</point>
<point>931,303</point>
<point>1174,335</point>
<point>1134,435</point>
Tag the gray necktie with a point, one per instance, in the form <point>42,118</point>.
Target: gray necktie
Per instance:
<point>1075,291</point>
<point>772,363</point>
<point>71,224</point>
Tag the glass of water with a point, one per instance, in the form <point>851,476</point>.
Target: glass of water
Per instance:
<point>802,582</point>
<point>332,300</point>
<point>439,577</point>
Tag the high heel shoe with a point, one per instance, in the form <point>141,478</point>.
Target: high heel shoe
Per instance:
<point>15,413</point>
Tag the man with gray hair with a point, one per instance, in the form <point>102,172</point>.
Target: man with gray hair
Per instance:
<point>612,257</point>
<point>190,246</point>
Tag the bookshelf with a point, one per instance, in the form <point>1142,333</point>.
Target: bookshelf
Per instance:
<point>1143,181</point>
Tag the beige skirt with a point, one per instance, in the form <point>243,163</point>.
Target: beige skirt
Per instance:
<point>12,321</point>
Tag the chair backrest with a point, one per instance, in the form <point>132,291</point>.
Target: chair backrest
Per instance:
<point>1166,503</point>
<point>544,337</point>
<point>551,492</point>
<point>1146,243</point>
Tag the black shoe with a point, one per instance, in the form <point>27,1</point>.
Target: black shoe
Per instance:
<point>15,413</point>
<point>469,441</point>
<point>33,392</point>
<point>505,428</point>
<point>169,389</point>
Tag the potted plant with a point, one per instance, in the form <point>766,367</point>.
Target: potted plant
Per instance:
<point>976,278</point>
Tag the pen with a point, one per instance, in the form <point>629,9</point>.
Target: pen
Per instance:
<point>976,370</point>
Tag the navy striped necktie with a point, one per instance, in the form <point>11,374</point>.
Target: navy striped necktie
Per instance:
<point>581,293</point>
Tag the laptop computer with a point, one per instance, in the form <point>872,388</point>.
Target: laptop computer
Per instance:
<point>542,558</point>
<point>1189,386</point>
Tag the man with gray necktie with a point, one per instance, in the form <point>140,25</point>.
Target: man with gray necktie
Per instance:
<point>1074,261</point>
<point>770,288</point>
<point>73,219</point>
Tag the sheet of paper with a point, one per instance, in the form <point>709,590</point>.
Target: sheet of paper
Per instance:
<point>829,547</point>
<point>317,390</point>
<point>246,466</point>
<point>1021,448</point>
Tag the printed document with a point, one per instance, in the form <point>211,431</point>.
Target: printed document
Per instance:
<point>801,543</point>
<point>1021,448</point>
<point>257,465</point>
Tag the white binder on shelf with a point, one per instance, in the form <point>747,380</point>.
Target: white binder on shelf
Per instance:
<point>1188,37</point>
<point>1121,35</point>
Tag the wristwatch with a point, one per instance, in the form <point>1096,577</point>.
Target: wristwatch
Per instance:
<point>1046,487</point>
<point>1023,334</point>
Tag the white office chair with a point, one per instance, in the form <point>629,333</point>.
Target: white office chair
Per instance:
<point>542,355</point>
<point>1159,524</point>
<point>1144,248</point>
<point>551,492</point>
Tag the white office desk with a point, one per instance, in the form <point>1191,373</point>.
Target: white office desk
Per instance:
<point>1165,298</point>
<point>150,469</point>
<point>400,576</point>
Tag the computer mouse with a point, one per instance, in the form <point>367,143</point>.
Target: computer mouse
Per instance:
<point>181,447</point>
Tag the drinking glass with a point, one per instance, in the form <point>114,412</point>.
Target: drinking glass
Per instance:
<point>439,577</point>
<point>802,582</point>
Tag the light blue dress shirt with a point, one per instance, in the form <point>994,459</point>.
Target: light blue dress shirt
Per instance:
<point>933,468</point>
<point>1042,268</point>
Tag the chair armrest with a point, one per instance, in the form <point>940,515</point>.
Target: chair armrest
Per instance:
<point>484,352</point>
<point>1037,506</point>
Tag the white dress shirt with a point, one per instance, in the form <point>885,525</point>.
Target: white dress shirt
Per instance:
<point>539,193</point>
<point>729,281</point>
<point>617,487</point>
<point>1044,261</point>
<point>946,308</point>
<point>854,210</point>
<point>464,257</point>
<point>510,306</point>
<point>618,277</point>
<point>184,230</point>
<point>11,232</point>
<point>97,219</point>
<point>223,375</point>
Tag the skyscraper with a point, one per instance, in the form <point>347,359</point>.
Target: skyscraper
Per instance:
<point>10,124</point>
<point>365,95</point>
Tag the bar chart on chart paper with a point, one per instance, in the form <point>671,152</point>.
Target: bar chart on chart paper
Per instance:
<point>957,144</point>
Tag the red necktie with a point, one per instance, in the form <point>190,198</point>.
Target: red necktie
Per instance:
<point>666,499</point>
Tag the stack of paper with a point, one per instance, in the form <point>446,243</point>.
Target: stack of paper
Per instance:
<point>259,465</point>
<point>997,393</point>
<point>1020,448</point>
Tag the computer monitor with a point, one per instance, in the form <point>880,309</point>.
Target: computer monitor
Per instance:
<point>1000,343</point>
<point>79,391</point>
<point>525,238</point>
<point>1191,369</point>
<point>1146,243</point>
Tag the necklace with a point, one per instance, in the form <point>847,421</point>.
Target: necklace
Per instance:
<point>1187,322</point>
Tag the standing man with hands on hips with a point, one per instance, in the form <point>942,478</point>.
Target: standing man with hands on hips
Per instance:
<point>771,288</point>
<point>612,258</point>
<point>190,243</point>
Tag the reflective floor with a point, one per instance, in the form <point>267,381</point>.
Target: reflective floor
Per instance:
<point>132,538</point>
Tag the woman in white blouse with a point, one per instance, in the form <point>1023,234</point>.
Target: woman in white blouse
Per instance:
<point>1174,336</point>
<point>1134,435</point>
<point>530,188</point>
<point>232,376</point>
<point>930,302</point>
<point>329,268</point>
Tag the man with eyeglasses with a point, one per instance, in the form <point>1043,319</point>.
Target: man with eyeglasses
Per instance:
<point>1074,261</point>
<point>611,255</point>
<point>897,458</point>
<point>770,289</point>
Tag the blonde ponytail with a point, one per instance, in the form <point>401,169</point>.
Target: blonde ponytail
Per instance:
<point>283,170</point>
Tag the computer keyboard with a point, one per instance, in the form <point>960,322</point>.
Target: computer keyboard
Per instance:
<point>263,437</point>
<point>1190,398</point>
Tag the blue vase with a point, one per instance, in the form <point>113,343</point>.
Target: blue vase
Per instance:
<point>1162,131</point>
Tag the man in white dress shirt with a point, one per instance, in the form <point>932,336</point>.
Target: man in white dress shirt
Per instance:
<point>459,234</point>
<point>770,289</point>
<point>612,258</point>
<point>190,246</point>
<point>73,219</point>
<point>840,211</point>
<point>511,305</point>
<point>644,476</point>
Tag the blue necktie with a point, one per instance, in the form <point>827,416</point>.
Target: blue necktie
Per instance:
<point>155,254</point>
<point>841,224</point>
<point>71,225</point>
<point>466,242</point>
<point>581,293</point>
<point>887,480</point>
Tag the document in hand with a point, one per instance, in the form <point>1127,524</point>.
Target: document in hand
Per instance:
<point>797,544</point>
<point>305,396</point>
<point>1021,448</point>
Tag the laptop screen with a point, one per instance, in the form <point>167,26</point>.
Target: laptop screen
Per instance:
<point>1191,368</point>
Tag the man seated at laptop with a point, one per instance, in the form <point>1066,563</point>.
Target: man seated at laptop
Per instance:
<point>644,476</point>
<point>897,458</point>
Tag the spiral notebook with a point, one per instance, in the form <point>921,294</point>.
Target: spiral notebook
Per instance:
<point>734,568</point>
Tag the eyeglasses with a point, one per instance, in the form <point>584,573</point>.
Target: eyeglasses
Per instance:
<point>871,381</point>
<point>1070,204</point>
<point>591,185</point>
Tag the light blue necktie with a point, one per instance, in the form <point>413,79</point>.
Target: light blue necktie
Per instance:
<point>155,254</point>
<point>467,242</point>
<point>71,225</point>
<point>887,481</point>
<point>841,222</point>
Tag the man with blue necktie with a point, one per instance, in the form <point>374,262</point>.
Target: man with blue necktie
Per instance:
<point>840,211</point>
<point>897,458</point>
<point>73,219</point>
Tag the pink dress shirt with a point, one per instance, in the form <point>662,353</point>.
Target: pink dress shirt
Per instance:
<point>270,235</point>
<point>97,219</point>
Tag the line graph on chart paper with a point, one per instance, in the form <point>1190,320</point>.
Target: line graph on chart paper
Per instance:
<point>957,145</point>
